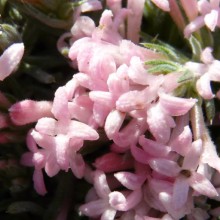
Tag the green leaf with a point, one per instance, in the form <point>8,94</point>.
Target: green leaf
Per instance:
<point>161,49</point>
<point>187,75</point>
<point>210,109</point>
<point>196,48</point>
<point>163,66</point>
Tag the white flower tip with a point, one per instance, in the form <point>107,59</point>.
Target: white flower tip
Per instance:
<point>10,59</point>
<point>162,4</point>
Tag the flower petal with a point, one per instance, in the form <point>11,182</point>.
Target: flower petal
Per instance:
<point>165,167</point>
<point>39,182</point>
<point>130,180</point>
<point>202,185</point>
<point>101,185</point>
<point>154,148</point>
<point>113,123</point>
<point>10,59</point>
<point>176,106</point>
<point>180,192</point>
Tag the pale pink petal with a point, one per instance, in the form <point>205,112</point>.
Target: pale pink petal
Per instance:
<point>166,167</point>
<point>138,74</point>
<point>100,112</point>
<point>193,26</point>
<point>211,19</point>
<point>176,106</point>
<point>154,148</point>
<point>60,104</point>
<point>93,208</point>
<point>10,59</point>
<point>206,55</point>
<point>132,200</point>
<point>214,3</point>
<point>109,214</point>
<point>84,80</point>
<point>119,202</point>
<point>83,26</point>
<point>77,46</point>
<point>170,81</point>
<point>134,100</point>
<point>130,134</point>
<point>78,129</point>
<point>71,87</point>
<point>118,83</point>
<point>204,6</point>
<point>192,158</point>
<point>130,180</point>
<point>157,120</point>
<point>203,87</point>
<point>46,126</point>
<point>100,184</point>
<point>209,154</point>
<point>213,71</point>
<point>113,123</point>
<point>140,155</point>
<point>162,4</point>
<point>134,19</point>
<point>202,185</point>
<point>43,140</point>
<point>176,14</point>
<point>51,166</point>
<point>181,141</point>
<point>166,200</point>
<point>39,159</point>
<point>91,5</point>
<point>180,192</point>
<point>62,144</point>
<point>28,111</point>
<point>116,199</point>
<point>190,8</point>
<point>31,144</point>
<point>106,30</point>
<point>39,184</point>
<point>103,98</point>
<point>80,113</point>
<point>102,66</point>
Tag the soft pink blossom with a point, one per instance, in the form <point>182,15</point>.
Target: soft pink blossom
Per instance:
<point>208,16</point>
<point>10,59</point>
<point>28,111</point>
<point>108,203</point>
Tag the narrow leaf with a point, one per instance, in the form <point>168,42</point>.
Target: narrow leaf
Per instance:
<point>196,48</point>
<point>161,49</point>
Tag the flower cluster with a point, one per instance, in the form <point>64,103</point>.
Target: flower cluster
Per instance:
<point>160,158</point>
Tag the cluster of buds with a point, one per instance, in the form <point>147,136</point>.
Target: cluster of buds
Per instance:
<point>160,158</point>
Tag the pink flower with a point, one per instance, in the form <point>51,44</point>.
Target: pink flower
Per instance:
<point>209,11</point>
<point>206,72</point>
<point>66,135</point>
<point>10,59</point>
<point>34,158</point>
<point>29,111</point>
<point>134,19</point>
<point>108,203</point>
<point>164,4</point>
<point>185,175</point>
